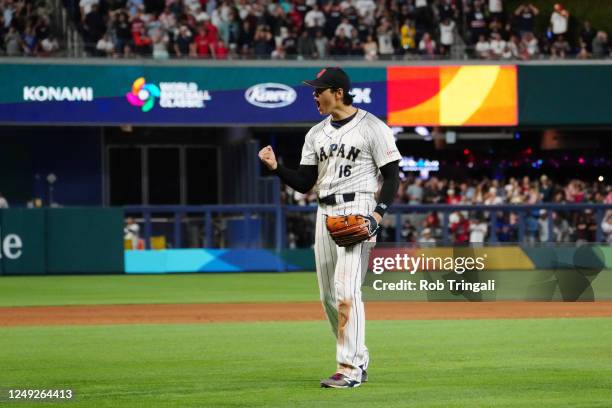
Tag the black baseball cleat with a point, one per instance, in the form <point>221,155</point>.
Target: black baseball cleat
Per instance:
<point>364,375</point>
<point>339,380</point>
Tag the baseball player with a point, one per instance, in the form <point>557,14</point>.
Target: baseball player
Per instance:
<point>341,159</point>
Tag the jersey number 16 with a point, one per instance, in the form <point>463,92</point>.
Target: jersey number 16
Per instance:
<point>345,171</point>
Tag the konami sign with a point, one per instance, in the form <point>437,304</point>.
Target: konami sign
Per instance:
<point>57,93</point>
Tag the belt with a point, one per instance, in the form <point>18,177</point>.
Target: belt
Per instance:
<point>331,199</point>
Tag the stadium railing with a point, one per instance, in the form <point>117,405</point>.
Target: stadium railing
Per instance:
<point>260,226</point>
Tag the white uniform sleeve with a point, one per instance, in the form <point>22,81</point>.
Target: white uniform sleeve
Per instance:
<point>382,143</point>
<point>309,157</point>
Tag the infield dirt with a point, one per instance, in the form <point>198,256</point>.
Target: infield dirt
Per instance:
<point>254,312</point>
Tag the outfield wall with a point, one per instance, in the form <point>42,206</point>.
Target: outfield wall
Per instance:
<point>61,241</point>
<point>90,241</point>
<point>501,258</point>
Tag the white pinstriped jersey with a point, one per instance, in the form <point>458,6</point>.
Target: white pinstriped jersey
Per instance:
<point>349,157</point>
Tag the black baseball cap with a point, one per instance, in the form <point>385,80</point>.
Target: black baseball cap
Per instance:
<point>331,77</point>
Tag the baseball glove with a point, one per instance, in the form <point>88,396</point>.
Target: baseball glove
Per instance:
<point>347,230</point>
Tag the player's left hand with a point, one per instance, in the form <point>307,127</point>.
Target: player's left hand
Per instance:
<point>374,226</point>
<point>377,216</point>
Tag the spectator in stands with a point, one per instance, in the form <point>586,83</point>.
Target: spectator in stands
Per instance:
<point>201,47</point>
<point>314,20</point>
<point>546,188</point>
<point>408,232</point>
<point>459,228</point>
<point>396,27</point>
<point>483,48</point>
<point>496,9</point>
<point>385,39</point>
<point>585,227</point>
<point>340,45</point>
<point>290,44</point>
<point>345,27</point>
<point>233,31</point>
<point>356,47</point>
<point>48,46</point>
<point>370,49</point>
<point>105,46</point>
<point>365,10</point>
<point>559,21</point>
<point>587,34</point>
<point>543,230</point>
<point>306,47</point>
<point>220,50</point>
<point>426,237</point>
<point>525,15</point>
<point>333,17</point>
<point>477,21</point>
<point>422,15</point>
<point>131,232</point>
<point>414,193</point>
<point>142,42</point>
<point>86,7</point>
<point>427,46</point>
<point>560,48</point>
<point>263,42</point>
<point>498,46</point>
<point>561,228</point>
<point>160,45</point>
<point>321,44</point>
<point>600,45</point>
<point>583,53</point>
<point>3,202</point>
<point>408,37</point>
<point>530,44</point>
<point>94,28</point>
<point>278,53</point>
<point>29,42</point>
<point>13,43</point>
<point>513,48</point>
<point>41,28</point>
<point>182,43</point>
<point>478,229</point>
<point>447,36</point>
<point>122,33</point>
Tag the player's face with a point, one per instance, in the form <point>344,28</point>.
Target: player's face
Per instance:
<point>325,99</point>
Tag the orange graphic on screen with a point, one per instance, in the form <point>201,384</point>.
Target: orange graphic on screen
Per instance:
<point>475,95</point>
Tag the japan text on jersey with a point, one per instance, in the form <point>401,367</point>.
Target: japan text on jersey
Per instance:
<point>348,158</point>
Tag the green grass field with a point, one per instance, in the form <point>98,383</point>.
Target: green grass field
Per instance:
<point>468,363</point>
<point>131,289</point>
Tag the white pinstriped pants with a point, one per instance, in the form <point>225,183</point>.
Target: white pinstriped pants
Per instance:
<point>339,273</point>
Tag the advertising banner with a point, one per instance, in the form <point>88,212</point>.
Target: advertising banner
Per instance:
<point>565,94</point>
<point>177,95</point>
<point>475,95</point>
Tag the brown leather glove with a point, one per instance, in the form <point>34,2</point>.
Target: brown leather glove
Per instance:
<point>347,230</point>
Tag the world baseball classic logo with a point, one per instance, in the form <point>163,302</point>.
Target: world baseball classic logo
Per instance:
<point>143,94</point>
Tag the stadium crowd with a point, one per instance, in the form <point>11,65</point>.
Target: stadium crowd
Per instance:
<point>473,226</point>
<point>305,29</point>
<point>25,28</point>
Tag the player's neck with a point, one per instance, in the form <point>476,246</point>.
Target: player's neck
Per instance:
<point>343,112</point>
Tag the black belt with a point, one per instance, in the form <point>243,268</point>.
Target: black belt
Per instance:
<point>331,199</point>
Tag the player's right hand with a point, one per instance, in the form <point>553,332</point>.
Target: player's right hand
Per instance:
<point>267,156</point>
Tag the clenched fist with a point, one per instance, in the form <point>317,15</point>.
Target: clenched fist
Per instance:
<point>267,156</point>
